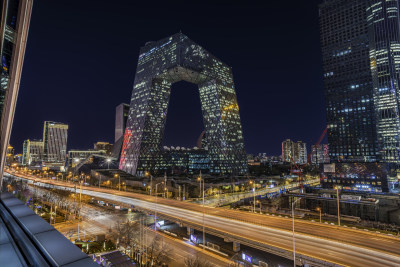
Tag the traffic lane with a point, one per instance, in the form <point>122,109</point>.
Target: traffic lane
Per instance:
<point>340,234</point>
<point>183,250</point>
<point>304,244</point>
<point>346,256</point>
<point>375,242</point>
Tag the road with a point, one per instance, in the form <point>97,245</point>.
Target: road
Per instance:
<point>98,221</point>
<point>335,244</point>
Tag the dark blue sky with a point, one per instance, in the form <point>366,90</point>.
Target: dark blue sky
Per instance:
<point>81,59</point>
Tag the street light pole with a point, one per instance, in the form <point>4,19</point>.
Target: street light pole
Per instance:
<point>108,163</point>
<point>254,193</point>
<point>294,241</point>
<point>155,210</point>
<point>200,185</point>
<point>320,214</point>
<point>204,233</point>
<point>55,214</point>
<point>338,204</point>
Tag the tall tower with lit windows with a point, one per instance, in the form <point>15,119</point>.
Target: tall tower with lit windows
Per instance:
<point>360,42</point>
<point>161,64</point>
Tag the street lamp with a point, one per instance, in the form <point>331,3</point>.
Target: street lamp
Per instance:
<point>294,241</point>
<point>97,174</point>
<point>204,234</point>
<point>258,201</point>
<point>199,179</point>
<point>320,215</point>
<point>155,209</point>
<point>151,181</point>
<point>338,204</point>
<point>254,195</point>
<point>55,214</point>
<point>80,204</point>
<point>108,163</point>
<point>119,181</point>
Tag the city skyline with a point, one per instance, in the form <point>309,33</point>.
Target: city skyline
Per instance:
<point>266,122</point>
<point>165,195</point>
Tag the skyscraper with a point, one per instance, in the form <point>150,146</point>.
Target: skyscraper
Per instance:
<point>161,64</point>
<point>32,152</point>
<point>121,116</point>
<point>300,152</point>
<point>319,154</point>
<point>294,152</point>
<point>384,52</point>
<point>15,18</point>
<point>55,136</point>
<point>287,150</point>
<point>361,60</point>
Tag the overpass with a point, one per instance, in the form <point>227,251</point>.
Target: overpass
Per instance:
<point>316,243</point>
<point>228,198</point>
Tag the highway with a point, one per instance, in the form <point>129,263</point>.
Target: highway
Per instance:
<point>98,221</point>
<point>334,244</point>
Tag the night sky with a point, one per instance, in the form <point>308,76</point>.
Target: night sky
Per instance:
<point>81,60</point>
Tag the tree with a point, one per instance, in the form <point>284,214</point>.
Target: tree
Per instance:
<point>128,233</point>
<point>197,261</point>
<point>159,250</point>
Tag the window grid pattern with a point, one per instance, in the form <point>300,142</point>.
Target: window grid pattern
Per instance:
<point>160,65</point>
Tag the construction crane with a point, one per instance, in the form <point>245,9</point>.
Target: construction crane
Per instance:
<point>298,169</point>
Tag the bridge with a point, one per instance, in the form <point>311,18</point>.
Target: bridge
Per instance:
<point>228,198</point>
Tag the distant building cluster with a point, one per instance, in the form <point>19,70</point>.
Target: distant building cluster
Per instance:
<point>49,152</point>
<point>263,159</point>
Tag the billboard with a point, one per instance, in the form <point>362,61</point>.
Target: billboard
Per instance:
<point>193,238</point>
<point>246,257</point>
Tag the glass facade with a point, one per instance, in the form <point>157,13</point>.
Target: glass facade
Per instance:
<point>161,64</point>
<point>361,51</point>
<point>55,136</point>
<point>348,81</point>
<point>121,116</point>
<point>320,154</point>
<point>384,40</point>
<point>15,18</point>
<point>296,151</point>
<point>178,160</point>
<point>32,152</point>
